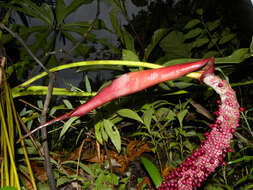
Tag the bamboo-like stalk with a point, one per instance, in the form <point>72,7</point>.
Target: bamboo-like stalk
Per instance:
<point>9,122</point>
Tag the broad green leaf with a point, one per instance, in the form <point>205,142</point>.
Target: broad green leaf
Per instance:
<point>147,117</point>
<point>156,38</point>
<point>188,145</point>
<point>75,5</point>
<point>226,38</point>
<point>103,132</point>
<point>213,25</point>
<point>87,84</point>
<point>152,171</point>
<point>181,116</point>
<point>128,40</point>
<point>67,103</point>
<point>129,55</point>
<point>98,132</point>
<point>67,125</point>
<point>60,11</point>
<point>192,23</point>
<point>43,12</point>
<point>251,46</point>
<point>183,85</point>
<point>116,26</point>
<point>200,42</point>
<point>172,144</point>
<point>87,169</point>
<point>62,180</point>
<point>41,38</point>
<point>237,56</point>
<point>25,32</point>
<point>112,179</point>
<point>191,134</point>
<point>193,33</point>
<point>40,104</point>
<point>173,45</point>
<point>113,133</point>
<point>199,12</point>
<point>48,14</point>
<point>129,114</point>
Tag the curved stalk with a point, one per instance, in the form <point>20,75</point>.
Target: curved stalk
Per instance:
<point>133,82</point>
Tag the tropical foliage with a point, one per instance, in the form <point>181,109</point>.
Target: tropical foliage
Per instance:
<point>158,127</point>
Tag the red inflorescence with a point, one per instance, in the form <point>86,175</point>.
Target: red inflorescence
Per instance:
<point>203,161</point>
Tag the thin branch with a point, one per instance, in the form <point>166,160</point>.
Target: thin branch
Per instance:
<point>84,35</point>
<point>32,137</point>
<point>48,166</point>
<point>38,109</point>
<point>15,35</point>
<point>133,29</point>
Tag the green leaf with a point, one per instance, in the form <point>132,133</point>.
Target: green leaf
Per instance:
<point>103,133</point>
<point>98,132</point>
<point>237,56</point>
<point>129,55</point>
<point>251,46</point>
<point>173,45</point>
<point>213,25</point>
<point>75,5</point>
<point>226,38</point>
<point>192,23</point>
<point>40,104</point>
<point>43,12</point>
<point>147,117</point>
<point>116,26</point>
<point>67,103</point>
<point>199,12</point>
<point>242,159</point>
<point>62,180</point>
<point>152,171</point>
<point>113,133</point>
<point>87,84</point>
<point>200,42</point>
<point>156,38</point>
<point>67,125</point>
<point>193,33</point>
<point>128,41</point>
<point>60,11</point>
<point>129,114</point>
<point>181,116</point>
<point>48,14</point>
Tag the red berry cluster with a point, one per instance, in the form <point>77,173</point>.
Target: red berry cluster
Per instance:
<point>203,161</point>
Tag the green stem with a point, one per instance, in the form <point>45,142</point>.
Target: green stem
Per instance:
<point>91,63</point>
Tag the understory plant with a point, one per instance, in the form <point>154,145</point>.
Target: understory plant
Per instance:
<point>203,161</point>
